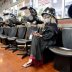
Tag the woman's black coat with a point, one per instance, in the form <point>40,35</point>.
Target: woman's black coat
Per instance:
<point>48,39</point>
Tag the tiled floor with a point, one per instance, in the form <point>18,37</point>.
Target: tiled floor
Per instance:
<point>10,62</point>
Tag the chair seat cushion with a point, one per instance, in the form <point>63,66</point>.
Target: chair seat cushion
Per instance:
<point>61,51</point>
<point>3,37</point>
<point>22,41</point>
<point>11,38</point>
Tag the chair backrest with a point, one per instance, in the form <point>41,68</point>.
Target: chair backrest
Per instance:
<point>1,30</point>
<point>12,31</point>
<point>59,42</point>
<point>5,30</point>
<point>30,30</point>
<point>67,37</point>
<point>22,32</point>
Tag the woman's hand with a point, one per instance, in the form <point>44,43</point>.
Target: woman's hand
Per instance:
<point>37,34</point>
<point>34,33</point>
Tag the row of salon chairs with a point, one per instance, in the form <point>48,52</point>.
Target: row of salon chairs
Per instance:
<point>17,38</point>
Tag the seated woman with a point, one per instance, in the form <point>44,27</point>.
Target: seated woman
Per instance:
<point>43,39</point>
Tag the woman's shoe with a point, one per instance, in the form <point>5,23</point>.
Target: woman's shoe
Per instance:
<point>27,64</point>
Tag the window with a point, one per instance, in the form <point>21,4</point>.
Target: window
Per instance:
<point>15,1</point>
<point>15,10</point>
<point>57,4</point>
<point>40,5</point>
<point>61,6</point>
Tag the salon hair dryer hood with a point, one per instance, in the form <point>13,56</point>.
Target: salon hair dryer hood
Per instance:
<point>12,20</point>
<point>49,11</point>
<point>33,15</point>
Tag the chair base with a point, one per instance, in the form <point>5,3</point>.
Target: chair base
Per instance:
<point>23,54</point>
<point>63,64</point>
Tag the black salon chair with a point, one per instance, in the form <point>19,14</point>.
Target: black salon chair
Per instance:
<point>25,42</point>
<point>11,37</point>
<point>1,32</point>
<point>64,54</point>
<point>63,59</point>
<point>1,22</point>
<point>20,35</point>
<point>3,36</point>
<point>67,38</point>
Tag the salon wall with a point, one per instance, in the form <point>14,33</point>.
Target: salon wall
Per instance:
<point>65,22</point>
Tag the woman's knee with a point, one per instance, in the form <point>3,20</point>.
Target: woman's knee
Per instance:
<point>35,38</point>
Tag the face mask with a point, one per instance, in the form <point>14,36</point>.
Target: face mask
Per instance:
<point>46,20</point>
<point>30,17</point>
